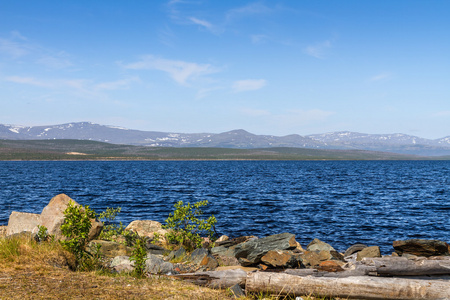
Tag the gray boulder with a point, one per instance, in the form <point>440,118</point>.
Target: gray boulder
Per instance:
<point>421,247</point>
<point>122,264</point>
<point>156,265</point>
<point>110,249</point>
<point>147,228</point>
<point>52,217</point>
<point>282,259</point>
<point>20,221</point>
<point>178,254</point>
<point>198,255</point>
<point>353,249</point>
<point>318,245</point>
<point>250,253</point>
<point>223,251</point>
<point>373,251</point>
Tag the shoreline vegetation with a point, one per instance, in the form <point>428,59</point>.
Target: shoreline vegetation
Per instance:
<point>69,251</point>
<point>37,264</point>
<point>33,270</point>
<point>82,150</point>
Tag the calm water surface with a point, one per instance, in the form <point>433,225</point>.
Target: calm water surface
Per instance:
<point>342,203</point>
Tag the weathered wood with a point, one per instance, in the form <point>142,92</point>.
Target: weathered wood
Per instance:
<point>360,270</point>
<point>357,287</point>
<point>401,266</point>
<point>407,267</point>
<point>215,279</point>
<point>301,272</point>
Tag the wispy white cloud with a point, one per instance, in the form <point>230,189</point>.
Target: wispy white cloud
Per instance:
<point>18,46</point>
<point>30,81</point>
<point>17,35</point>
<point>318,50</point>
<point>54,62</point>
<point>77,84</point>
<point>166,36</point>
<point>259,38</point>
<point>203,23</point>
<point>248,85</point>
<point>206,25</point>
<point>381,76</point>
<point>118,84</point>
<point>249,9</point>
<point>83,86</point>
<point>13,48</point>
<point>444,113</point>
<point>181,71</point>
<point>205,92</point>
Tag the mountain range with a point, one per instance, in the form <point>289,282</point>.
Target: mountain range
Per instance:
<point>241,139</point>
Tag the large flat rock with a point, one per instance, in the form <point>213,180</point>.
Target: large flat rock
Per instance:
<point>52,217</point>
<point>146,228</point>
<point>21,221</point>
<point>251,252</point>
<point>421,247</point>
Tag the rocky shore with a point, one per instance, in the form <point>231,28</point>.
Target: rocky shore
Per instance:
<point>416,269</point>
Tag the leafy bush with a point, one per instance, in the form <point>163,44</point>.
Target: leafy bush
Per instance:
<point>76,226</point>
<point>42,234</point>
<point>138,256</point>
<point>110,230</point>
<point>130,237</point>
<point>186,226</point>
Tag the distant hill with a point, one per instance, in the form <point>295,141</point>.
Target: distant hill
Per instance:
<point>239,139</point>
<point>92,150</point>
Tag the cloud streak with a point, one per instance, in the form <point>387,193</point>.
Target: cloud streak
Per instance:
<point>250,9</point>
<point>17,46</point>
<point>30,81</point>
<point>318,50</point>
<point>81,85</point>
<point>381,76</point>
<point>444,113</point>
<point>118,84</point>
<point>248,85</point>
<point>202,23</point>
<point>181,71</point>
<point>13,49</point>
<point>54,62</point>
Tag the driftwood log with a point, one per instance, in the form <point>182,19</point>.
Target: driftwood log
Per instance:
<point>401,266</point>
<point>356,287</point>
<point>215,279</point>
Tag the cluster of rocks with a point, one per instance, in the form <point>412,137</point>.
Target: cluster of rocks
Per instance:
<point>51,217</point>
<point>275,253</point>
<point>272,253</point>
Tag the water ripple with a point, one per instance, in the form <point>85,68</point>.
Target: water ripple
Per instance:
<point>338,202</point>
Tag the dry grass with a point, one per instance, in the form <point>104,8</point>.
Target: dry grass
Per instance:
<point>29,270</point>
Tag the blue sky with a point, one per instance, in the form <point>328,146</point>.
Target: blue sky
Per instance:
<point>270,67</point>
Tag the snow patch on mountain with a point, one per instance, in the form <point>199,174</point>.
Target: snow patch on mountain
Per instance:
<point>396,142</point>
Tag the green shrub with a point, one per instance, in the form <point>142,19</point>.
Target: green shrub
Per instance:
<point>75,229</point>
<point>42,234</point>
<point>186,227</point>
<point>130,237</point>
<point>110,230</point>
<point>139,255</point>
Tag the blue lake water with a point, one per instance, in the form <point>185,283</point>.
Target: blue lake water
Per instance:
<point>339,202</point>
